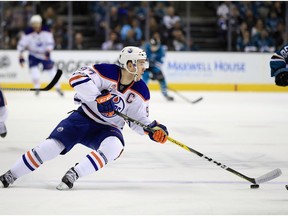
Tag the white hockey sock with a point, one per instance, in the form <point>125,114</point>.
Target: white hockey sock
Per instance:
<point>109,150</point>
<point>32,159</point>
<point>3,113</point>
<point>35,75</point>
<point>52,73</point>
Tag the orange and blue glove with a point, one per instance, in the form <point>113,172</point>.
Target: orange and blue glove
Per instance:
<point>159,133</point>
<point>105,103</point>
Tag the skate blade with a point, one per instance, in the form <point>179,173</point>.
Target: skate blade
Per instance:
<point>62,186</point>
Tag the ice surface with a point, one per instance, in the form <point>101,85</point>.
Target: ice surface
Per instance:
<point>245,131</point>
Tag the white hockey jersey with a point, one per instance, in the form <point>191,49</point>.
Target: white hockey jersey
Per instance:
<point>36,43</point>
<point>88,83</point>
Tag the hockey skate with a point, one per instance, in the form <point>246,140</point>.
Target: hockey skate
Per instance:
<point>168,97</point>
<point>68,180</point>
<point>7,179</point>
<point>3,130</point>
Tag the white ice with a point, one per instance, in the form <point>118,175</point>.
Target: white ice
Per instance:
<point>245,131</point>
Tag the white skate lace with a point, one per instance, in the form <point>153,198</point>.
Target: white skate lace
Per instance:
<point>9,177</point>
<point>71,176</point>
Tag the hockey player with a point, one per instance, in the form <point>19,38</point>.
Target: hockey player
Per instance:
<point>3,115</point>
<point>279,66</point>
<point>100,89</point>
<point>155,54</point>
<point>39,42</point>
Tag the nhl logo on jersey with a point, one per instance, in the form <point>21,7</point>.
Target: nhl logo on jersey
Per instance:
<point>119,103</point>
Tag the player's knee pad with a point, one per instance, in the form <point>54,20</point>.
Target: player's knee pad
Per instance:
<point>282,79</point>
<point>111,148</point>
<point>48,149</point>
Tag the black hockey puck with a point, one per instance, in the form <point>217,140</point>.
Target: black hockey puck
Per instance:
<point>254,186</point>
<point>286,186</point>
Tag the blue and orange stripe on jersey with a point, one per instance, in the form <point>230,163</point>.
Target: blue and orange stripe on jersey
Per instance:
<point>78,79</point>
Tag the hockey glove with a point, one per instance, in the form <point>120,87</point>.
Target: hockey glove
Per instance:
<point>281,79</point>
<point>47,55</point>
<point>160,133</point>
<point>21,60</point>
<point>105,104</point>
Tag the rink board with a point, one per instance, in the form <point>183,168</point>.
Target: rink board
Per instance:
<point>199,71</point>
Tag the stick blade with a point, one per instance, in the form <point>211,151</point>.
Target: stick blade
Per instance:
<point>197,100</point>
<point>268,176</point>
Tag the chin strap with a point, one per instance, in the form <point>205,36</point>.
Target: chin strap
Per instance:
<point>134,73</point>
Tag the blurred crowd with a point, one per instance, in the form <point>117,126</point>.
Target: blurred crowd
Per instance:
<point>255,26</point>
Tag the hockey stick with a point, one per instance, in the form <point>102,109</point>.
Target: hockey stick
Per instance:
<point>184,98</point>
<point>47,88</point>
<point>261,179</point>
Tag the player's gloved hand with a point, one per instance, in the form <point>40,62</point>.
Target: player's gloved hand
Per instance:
<point>105,104</point>
<point>47,55</point>
<point>281,79</point>
<point>160,133</point>
<point>21,60</point>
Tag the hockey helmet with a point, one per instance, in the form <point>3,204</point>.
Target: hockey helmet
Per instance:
<point>35,19</point>
<point>155,44</point>
<point>131,53</point>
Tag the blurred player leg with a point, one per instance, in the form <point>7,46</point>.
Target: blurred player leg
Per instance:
<point>32,160</point>
<point>3,115</point>
<point>109,150</point>
<point>158,75</point>
<point>49,66</point>
<point>35,75</point>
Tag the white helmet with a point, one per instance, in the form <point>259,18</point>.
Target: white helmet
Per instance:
<point>35,19</point>
<point>131,53</point>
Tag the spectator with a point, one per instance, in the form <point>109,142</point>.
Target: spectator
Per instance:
<point>133,26</point>
<point>114,19</point>
<point>49,17</point>
<point>279,35</point>
<point>249,19</point>
<point>113,43</point>
<point>169,20</point>
<point>264,42</point>
<point>59,31</point>
<point>242,28</point>
<point>272,22</point>
<point>78,42</point>
<point>244,43</point>
<point>179,42</point>
<point>223,11</point>
<point>257,28</point>
<point>130,39</point>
